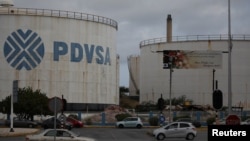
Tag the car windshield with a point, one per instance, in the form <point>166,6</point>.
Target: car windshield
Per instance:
<point>184,119</point>
<point>74,134</point>
<point>171,126</point>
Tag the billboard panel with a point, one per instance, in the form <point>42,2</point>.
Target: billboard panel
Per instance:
<point>184,59</point>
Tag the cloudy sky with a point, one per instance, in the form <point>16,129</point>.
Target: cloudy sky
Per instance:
<point>140,20</point>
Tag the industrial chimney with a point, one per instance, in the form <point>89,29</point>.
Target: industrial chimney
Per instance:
<point>169,29</point>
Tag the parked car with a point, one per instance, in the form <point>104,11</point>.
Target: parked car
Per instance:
<point>176,130</point>
<point>58,134</point>
<point>22,123</point>
<point>76,123</point>
<point>130,122</point>
<point>196,123</point>
<point>246,122</point>
<point>49,123</point>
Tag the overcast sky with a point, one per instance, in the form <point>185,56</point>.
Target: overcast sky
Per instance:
<point>140,20</point>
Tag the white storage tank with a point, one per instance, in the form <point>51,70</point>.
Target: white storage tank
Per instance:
<point>207,69</point>
<point>61,53</point>
<point>196,83</point>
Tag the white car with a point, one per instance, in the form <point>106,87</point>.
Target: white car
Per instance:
<point>58,134</point>
<point>176,130</point>
<point>246,122</point>
<point>130,122</point>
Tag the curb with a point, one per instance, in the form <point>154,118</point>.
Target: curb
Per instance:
<point>5,132</point>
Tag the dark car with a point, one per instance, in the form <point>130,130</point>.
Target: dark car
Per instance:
<point>194,122</point>
<point>22,123</point>
<point>49,123</point>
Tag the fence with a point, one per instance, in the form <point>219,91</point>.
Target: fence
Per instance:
<point>103,118</point>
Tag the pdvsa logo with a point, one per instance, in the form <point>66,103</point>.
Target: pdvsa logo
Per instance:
<point>24,49</point>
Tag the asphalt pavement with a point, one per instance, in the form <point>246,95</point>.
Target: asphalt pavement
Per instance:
<point>6,132</point>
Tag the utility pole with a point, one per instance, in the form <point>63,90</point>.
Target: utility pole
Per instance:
<point>229,61</point>
<point>168,64</point>
<point>11,113</point>
<point>213,78</point>
<point>13,100</point>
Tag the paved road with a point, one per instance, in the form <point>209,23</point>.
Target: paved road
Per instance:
<point>114,134</point>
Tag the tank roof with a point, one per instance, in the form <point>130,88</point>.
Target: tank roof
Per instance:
<point>6,3</point>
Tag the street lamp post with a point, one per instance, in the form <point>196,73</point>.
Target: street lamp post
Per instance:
<point>170,88</point>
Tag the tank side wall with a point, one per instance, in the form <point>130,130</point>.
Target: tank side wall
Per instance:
<point>195,84</point>
<point>79,60</point>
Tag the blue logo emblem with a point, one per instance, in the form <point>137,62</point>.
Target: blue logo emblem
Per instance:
<point>24,49</point>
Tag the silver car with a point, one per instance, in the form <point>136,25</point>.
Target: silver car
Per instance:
<point>130,122</point>
<point>246,122</point>
<point>176,130</point>
<point>58,134</point>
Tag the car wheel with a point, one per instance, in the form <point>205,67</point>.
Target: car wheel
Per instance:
<point>190,136</point>
<point>160,136</point>
<point>120,126</point>
<point>138,126</point>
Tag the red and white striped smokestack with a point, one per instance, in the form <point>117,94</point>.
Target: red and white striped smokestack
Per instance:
<point>169,29</point>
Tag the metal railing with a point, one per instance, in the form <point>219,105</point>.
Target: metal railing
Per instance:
<point>195,38</point>
<point>58,13</point>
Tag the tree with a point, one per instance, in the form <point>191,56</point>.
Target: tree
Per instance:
<point>160,104</point>
<point>146,106</point>
<point>178,101</point>
<point>29,103</point>
<point>5,105</point>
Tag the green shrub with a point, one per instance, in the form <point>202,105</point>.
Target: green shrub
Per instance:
<point>88,121</point>
<point>210,120</point>
<point>120,117</point>
<point>153,121</point>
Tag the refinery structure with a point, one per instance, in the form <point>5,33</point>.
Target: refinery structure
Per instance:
<point>75,55</point>
<point>61,53</point>
<point>192,66</point>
